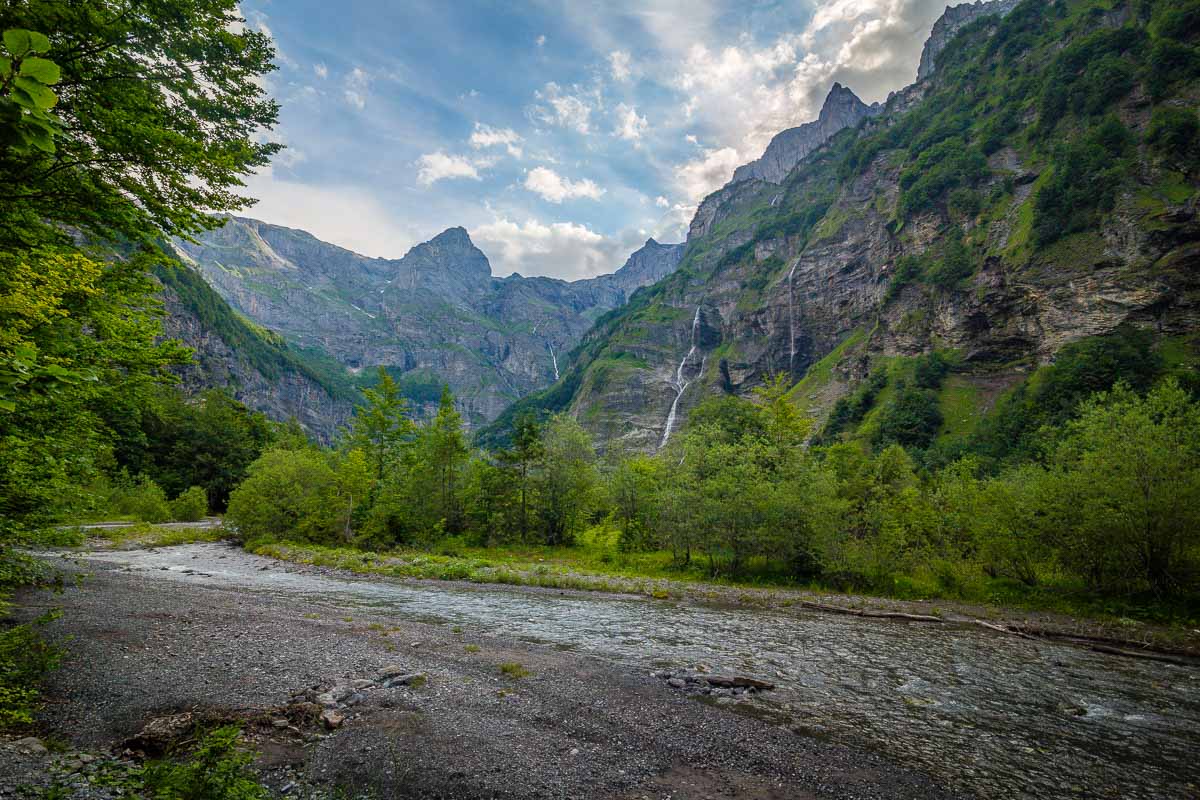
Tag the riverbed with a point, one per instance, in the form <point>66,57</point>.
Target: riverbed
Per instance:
<point>996,715</point>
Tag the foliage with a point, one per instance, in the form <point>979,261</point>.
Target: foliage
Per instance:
<point>849,410</point>
<point>1083,183</point>
<point>190,506</point>
<point>25,657</point>
<point>218,769</point>
<point>911,419</point>
<point>1175,134</point>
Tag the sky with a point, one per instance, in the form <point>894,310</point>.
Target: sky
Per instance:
<point>560,133</point>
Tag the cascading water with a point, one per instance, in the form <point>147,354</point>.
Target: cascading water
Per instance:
<point>553,359</point>
<point>792,319</point>
<point>681,384</point>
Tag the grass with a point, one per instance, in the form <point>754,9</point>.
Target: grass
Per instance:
<point>512,669</point>
<point>144,535</point>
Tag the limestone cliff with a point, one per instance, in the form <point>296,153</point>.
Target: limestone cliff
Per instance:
<point>436,315</point>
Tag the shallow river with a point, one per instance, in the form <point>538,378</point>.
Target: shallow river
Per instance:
<point>997,715</point>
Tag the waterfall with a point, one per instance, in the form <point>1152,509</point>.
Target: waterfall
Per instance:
<point>792,319</point>
<point>680,384</point>
<point>553,359</point>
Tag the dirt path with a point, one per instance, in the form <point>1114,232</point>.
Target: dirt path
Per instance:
<point>576,726</point>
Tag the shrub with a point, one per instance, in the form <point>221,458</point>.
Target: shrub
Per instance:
<point>287,495</point>
<point>24,658</point>
<point>190,506</point>
<point>144,500</point>
<point>1174,134</point>
<point>911,419</point>
<point>217,770</point>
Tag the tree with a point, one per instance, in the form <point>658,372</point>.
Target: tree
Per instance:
<point>566,479</point>
<point>519,460</point>
<point>289,495</point>
<point>382,428</point>
<point>159,114</point>
<point>1128,490</point>
<point>447,450</point>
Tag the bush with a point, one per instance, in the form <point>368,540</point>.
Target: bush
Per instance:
<point>911,419</point>
<point>144,500</point>
<point>24,658</point>
<point>1175,135</point>
<point>190,506</point>
<point>217,770</point>
<point>288,494</point>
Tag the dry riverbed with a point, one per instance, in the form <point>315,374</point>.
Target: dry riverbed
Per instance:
<point>458,690</point>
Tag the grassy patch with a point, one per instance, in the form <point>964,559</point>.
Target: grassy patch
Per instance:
<point>145,535</point>
<point>512,669</point>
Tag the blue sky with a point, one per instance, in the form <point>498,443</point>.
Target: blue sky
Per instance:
<point>560,134</point>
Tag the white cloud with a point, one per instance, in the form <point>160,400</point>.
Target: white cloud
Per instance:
<point>434,167</point>
<point>560,108</point>
<point>662,202</point>
<point>555,188</point>
<point>486,136</point>
<point>565,250</point>
<point>321,70</point>
<point>620,64</point>
<point>630,125</point>
<point>348,216</point>
<point>742,94</point>
<point>357,84</point>
<point>540,41</point>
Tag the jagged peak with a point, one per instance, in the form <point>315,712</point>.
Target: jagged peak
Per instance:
<point>453,236</point>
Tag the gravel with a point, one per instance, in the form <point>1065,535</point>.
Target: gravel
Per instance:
<point>576,726</point>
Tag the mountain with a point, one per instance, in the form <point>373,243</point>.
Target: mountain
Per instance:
<point>1038,187</point>
<point>841,109</point>
<point>436,315</point>
<point>954,19</point>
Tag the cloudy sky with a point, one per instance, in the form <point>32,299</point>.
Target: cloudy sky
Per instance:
<point>560,133</point>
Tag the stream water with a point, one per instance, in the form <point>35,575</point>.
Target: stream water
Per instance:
<point>997,715</point>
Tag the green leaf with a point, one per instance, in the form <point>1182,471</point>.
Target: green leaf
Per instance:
<point>42,97</point>
<point>18,42</point>
<point>38,42</point>
<point>42,70</point>
<point>5,66</point>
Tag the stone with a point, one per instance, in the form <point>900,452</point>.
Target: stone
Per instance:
<point>331,719</point>
<point>30,744</point>
<point>677,683</point>
<point>391,672</point>
<point>160,733</point>
<point>410,679</point>
<point>327,700</point>
<point>279,723</point>
<point>739,681</point>
<point>362,683</point>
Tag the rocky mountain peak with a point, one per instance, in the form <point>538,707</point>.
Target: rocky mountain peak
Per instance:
<point>953,19</point>
<point>842,109</point>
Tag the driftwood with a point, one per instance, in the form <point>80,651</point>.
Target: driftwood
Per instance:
<point>858,612</point>
<point>1098,644</point>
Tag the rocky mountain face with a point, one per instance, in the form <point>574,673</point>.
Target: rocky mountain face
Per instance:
<point>435,316</point>
<point>954,19</point>
<point>842,109</point>
<point>925,230</point>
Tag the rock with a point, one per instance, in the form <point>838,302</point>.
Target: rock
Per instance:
<point>340,693</point>
<point>354,699</point>
<point>677,683</point>
<point>741,681</point>
<point>952,20</point>
<point>160,733</point>
<point>410,679</point>
<point>30,744</point>
<point>327,700</point>
<point>331,719</point>
<point>391,672</point>
<point>363,683</point>
<point>279,724</point>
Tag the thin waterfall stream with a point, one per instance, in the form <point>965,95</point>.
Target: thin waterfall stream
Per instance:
<point>680,383</point>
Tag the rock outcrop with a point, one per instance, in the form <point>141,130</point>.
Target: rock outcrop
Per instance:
<point>842,109</point>
<point>951,22</point>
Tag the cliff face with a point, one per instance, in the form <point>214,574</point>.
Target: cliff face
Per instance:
<point>281,393</point>
<point>844,264</point>
<point>841,109</point>
<point>436,315</point>
<point>951,22</point>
